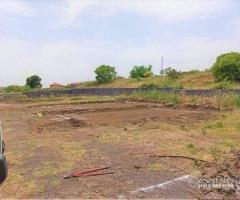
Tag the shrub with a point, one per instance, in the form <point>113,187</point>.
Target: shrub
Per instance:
<point>150,86</point>
<point>171,73</point>
<point>141,72</point>
<point>158,96</point>
<point>227,67</point>
<point>222,85</point>
<point>105,73</point>
<point>228,101</point>
<point>192,149</point>
<point>16,89</point>
<point>34,81</point>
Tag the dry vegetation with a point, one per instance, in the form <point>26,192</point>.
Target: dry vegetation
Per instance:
<point>188,80</point>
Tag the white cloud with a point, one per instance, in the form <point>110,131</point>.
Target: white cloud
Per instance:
<point>174,10</point>
<point>15,7</point>
<point>70,10</point>
<point>163,10</point>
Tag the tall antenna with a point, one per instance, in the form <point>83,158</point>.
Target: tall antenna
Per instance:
<point>162,66</point>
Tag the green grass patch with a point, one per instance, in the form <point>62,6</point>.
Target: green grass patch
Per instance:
<point>16,89</point>
<point>229,101</point>
<point>192,149</point>
<point>157,96</point>
<point>155,166</point>
<point>212,125</point>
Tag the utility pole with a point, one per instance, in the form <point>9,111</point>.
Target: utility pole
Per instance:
<point>162,66</point>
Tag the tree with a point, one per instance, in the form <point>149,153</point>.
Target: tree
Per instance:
<point>105,73</point>
<point>34,81</point>
<point>141,72</point>
<point>171,72</point>
<point>227,67</point>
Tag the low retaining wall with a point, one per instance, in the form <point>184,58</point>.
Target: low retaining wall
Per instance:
<point>120,91</point>
<point>10,96</point>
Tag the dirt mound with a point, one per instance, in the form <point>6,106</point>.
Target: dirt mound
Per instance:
<point>76,122</point>
<point>66,124</point>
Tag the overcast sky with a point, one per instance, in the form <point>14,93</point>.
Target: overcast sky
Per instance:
<point>64,40</point>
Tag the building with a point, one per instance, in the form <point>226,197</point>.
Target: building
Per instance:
<point>56,86</point>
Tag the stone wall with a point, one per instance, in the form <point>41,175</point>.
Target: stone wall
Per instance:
<point>120,91</point>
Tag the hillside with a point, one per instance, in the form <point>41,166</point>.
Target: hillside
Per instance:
<point>188,80</point>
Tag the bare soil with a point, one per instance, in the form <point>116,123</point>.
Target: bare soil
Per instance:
<point>44,143</point>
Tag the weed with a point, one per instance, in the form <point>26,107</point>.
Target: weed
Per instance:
<point>157,96</point>
<point>216,152</point>
<point>45,170</point>
<point>209,125</point>
<point>238,127</point>
<point>219,125</point>
<point>212,125</point>
<point>72,150</point>
<point>155,166</point>
<point>229,101</point>
<point>230,143</point>
<point>223,85</point>
<point>193,100</point>
<point>192,149</point>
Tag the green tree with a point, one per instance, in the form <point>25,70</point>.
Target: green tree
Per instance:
<point>105,73</point>
<point>171,72</point>
<point>141,72</point>
<point>227,67</point>
<point>34,81</point>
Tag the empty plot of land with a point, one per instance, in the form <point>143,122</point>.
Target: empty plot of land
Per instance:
<point>46,142</point>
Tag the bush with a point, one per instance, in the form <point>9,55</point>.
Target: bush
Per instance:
<point>34,81</point>
<point>222,85</point>
<point>171,73</point>
<point>229,101</point>
<point>227,67</point>
<point>150,86</point>
<point>157,96</point>
<point>105,73</point>
<point>16,89</point>
<point>141,72</point>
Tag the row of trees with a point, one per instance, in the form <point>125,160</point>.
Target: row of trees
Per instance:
<point>106,73</point>
<point>226,68</point>
<point>31,83</point>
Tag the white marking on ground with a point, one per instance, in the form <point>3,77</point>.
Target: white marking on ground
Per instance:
<point>63,117</point>
<point>188,178</point>
<point>30,114</point>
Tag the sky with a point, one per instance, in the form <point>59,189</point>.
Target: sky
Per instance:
<point>65,40</point>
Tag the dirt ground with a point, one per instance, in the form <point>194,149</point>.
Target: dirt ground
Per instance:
<point>45,142</point>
